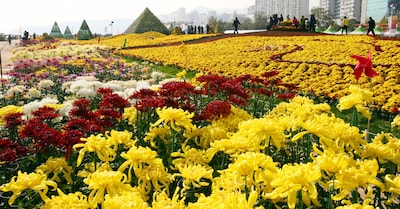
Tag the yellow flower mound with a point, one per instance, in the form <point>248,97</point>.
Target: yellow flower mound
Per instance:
<point>317,64</point>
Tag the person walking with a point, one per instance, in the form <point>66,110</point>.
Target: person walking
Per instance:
<point>313,23</point>
<point>303,22</point>
<point>371,26</point>
<point>9,38</point>
<point>345,24</point>
<point>236,24</point>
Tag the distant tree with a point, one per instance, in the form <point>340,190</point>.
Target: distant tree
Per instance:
<point>247,24</point>
<point>212,21</point>
<point>323,16</point>
<point>352,24</point>
<point>260,21</point>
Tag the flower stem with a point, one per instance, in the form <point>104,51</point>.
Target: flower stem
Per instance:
<point>354,121</point>
<point>300,198</point>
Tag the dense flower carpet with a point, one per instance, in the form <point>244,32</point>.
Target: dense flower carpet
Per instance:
<point>267,122</point>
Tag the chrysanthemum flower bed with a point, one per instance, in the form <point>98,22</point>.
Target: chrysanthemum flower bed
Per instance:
<point>321,64</point>
<point>97,132</point>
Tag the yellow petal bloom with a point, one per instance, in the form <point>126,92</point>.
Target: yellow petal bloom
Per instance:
<point>361,174</point>
<point>34,181</point>
<point>175,118</point>
<point>293,178</point>
<point>130,114</point>
<point>332,162</point>
<point>9,109</point>
<point>56,166</point>
<point>393,183</point>
<point>100,145</point>
<point>105,182</point>
<point>396,122</point>
<point>193,174</point>
<point>120,137</point>
<point>75,200</point>
<point>162,200</point>
<point>357,98</point>
<point>126,200</point>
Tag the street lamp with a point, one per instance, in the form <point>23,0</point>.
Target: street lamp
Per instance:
<point>111,25</point>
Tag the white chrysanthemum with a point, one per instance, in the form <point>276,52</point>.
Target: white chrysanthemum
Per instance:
<point>45,84</point>
<point>129,91</point>
<point>86,92</point>
<point>34,93</point>
<point>33,106</point>
<point>142,85</point>
<point>113,85</point>
<point>167,80</point>
<point>16,89</point>
<point>78,85</point>
<point>86,78</point>
<point>157,75</point>
<point>130,84</point>
<point>121,94</point>
<point>66,108</point>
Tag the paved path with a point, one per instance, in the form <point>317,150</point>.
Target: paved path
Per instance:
<point>6,53</point>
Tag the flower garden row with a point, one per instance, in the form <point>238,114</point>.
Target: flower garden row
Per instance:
<point>82,128</point>
<point>313,63</point>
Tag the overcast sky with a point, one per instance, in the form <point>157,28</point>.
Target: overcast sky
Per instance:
<point>17,15</point>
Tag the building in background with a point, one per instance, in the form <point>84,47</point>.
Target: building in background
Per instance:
<point>289,8</point>
<point>361,10</point>
<point>340,8</point>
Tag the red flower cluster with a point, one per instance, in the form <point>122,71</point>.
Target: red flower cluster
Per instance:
<point>215,109</point>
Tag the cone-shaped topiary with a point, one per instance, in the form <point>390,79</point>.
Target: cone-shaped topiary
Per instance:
<point>68,34</point>
<point>84,32</point>
<point>146,22</point>
<point>330,30</point>
<point>55,31</point>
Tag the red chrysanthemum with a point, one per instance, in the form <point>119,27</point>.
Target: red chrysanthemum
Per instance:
<point>216,109</point>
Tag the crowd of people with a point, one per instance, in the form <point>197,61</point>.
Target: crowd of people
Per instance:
<point>199,29</point>
<point>311,23</point>
<point>304,23</point>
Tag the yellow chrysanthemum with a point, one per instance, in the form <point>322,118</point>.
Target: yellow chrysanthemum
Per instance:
<point>396,122</point>
<point>153,177</point>
<point>56,166</point>
<point>120,137</point>
<point>189,155</point>
<point>105,182</point>
<point>350,205</point>
<point>34,181</point>
<point>130,114</point>
<point>75,200</point>
<point>251,169</point>
<point>140,158</point>
<point>9,109</point>
<point>332,162</point>
<point>384,147</point>
<point>393,183</point>
<point>154,132</point>
<point>175,118</point>
<point>294,178</point>
<point>226,200</point>
<point>193,174</point>
<point>126,200</point>
<point>362,174</point>
<point>161,200</point>
<point>358,98</point>
<point>252,135</point>
<point>100,145</point>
